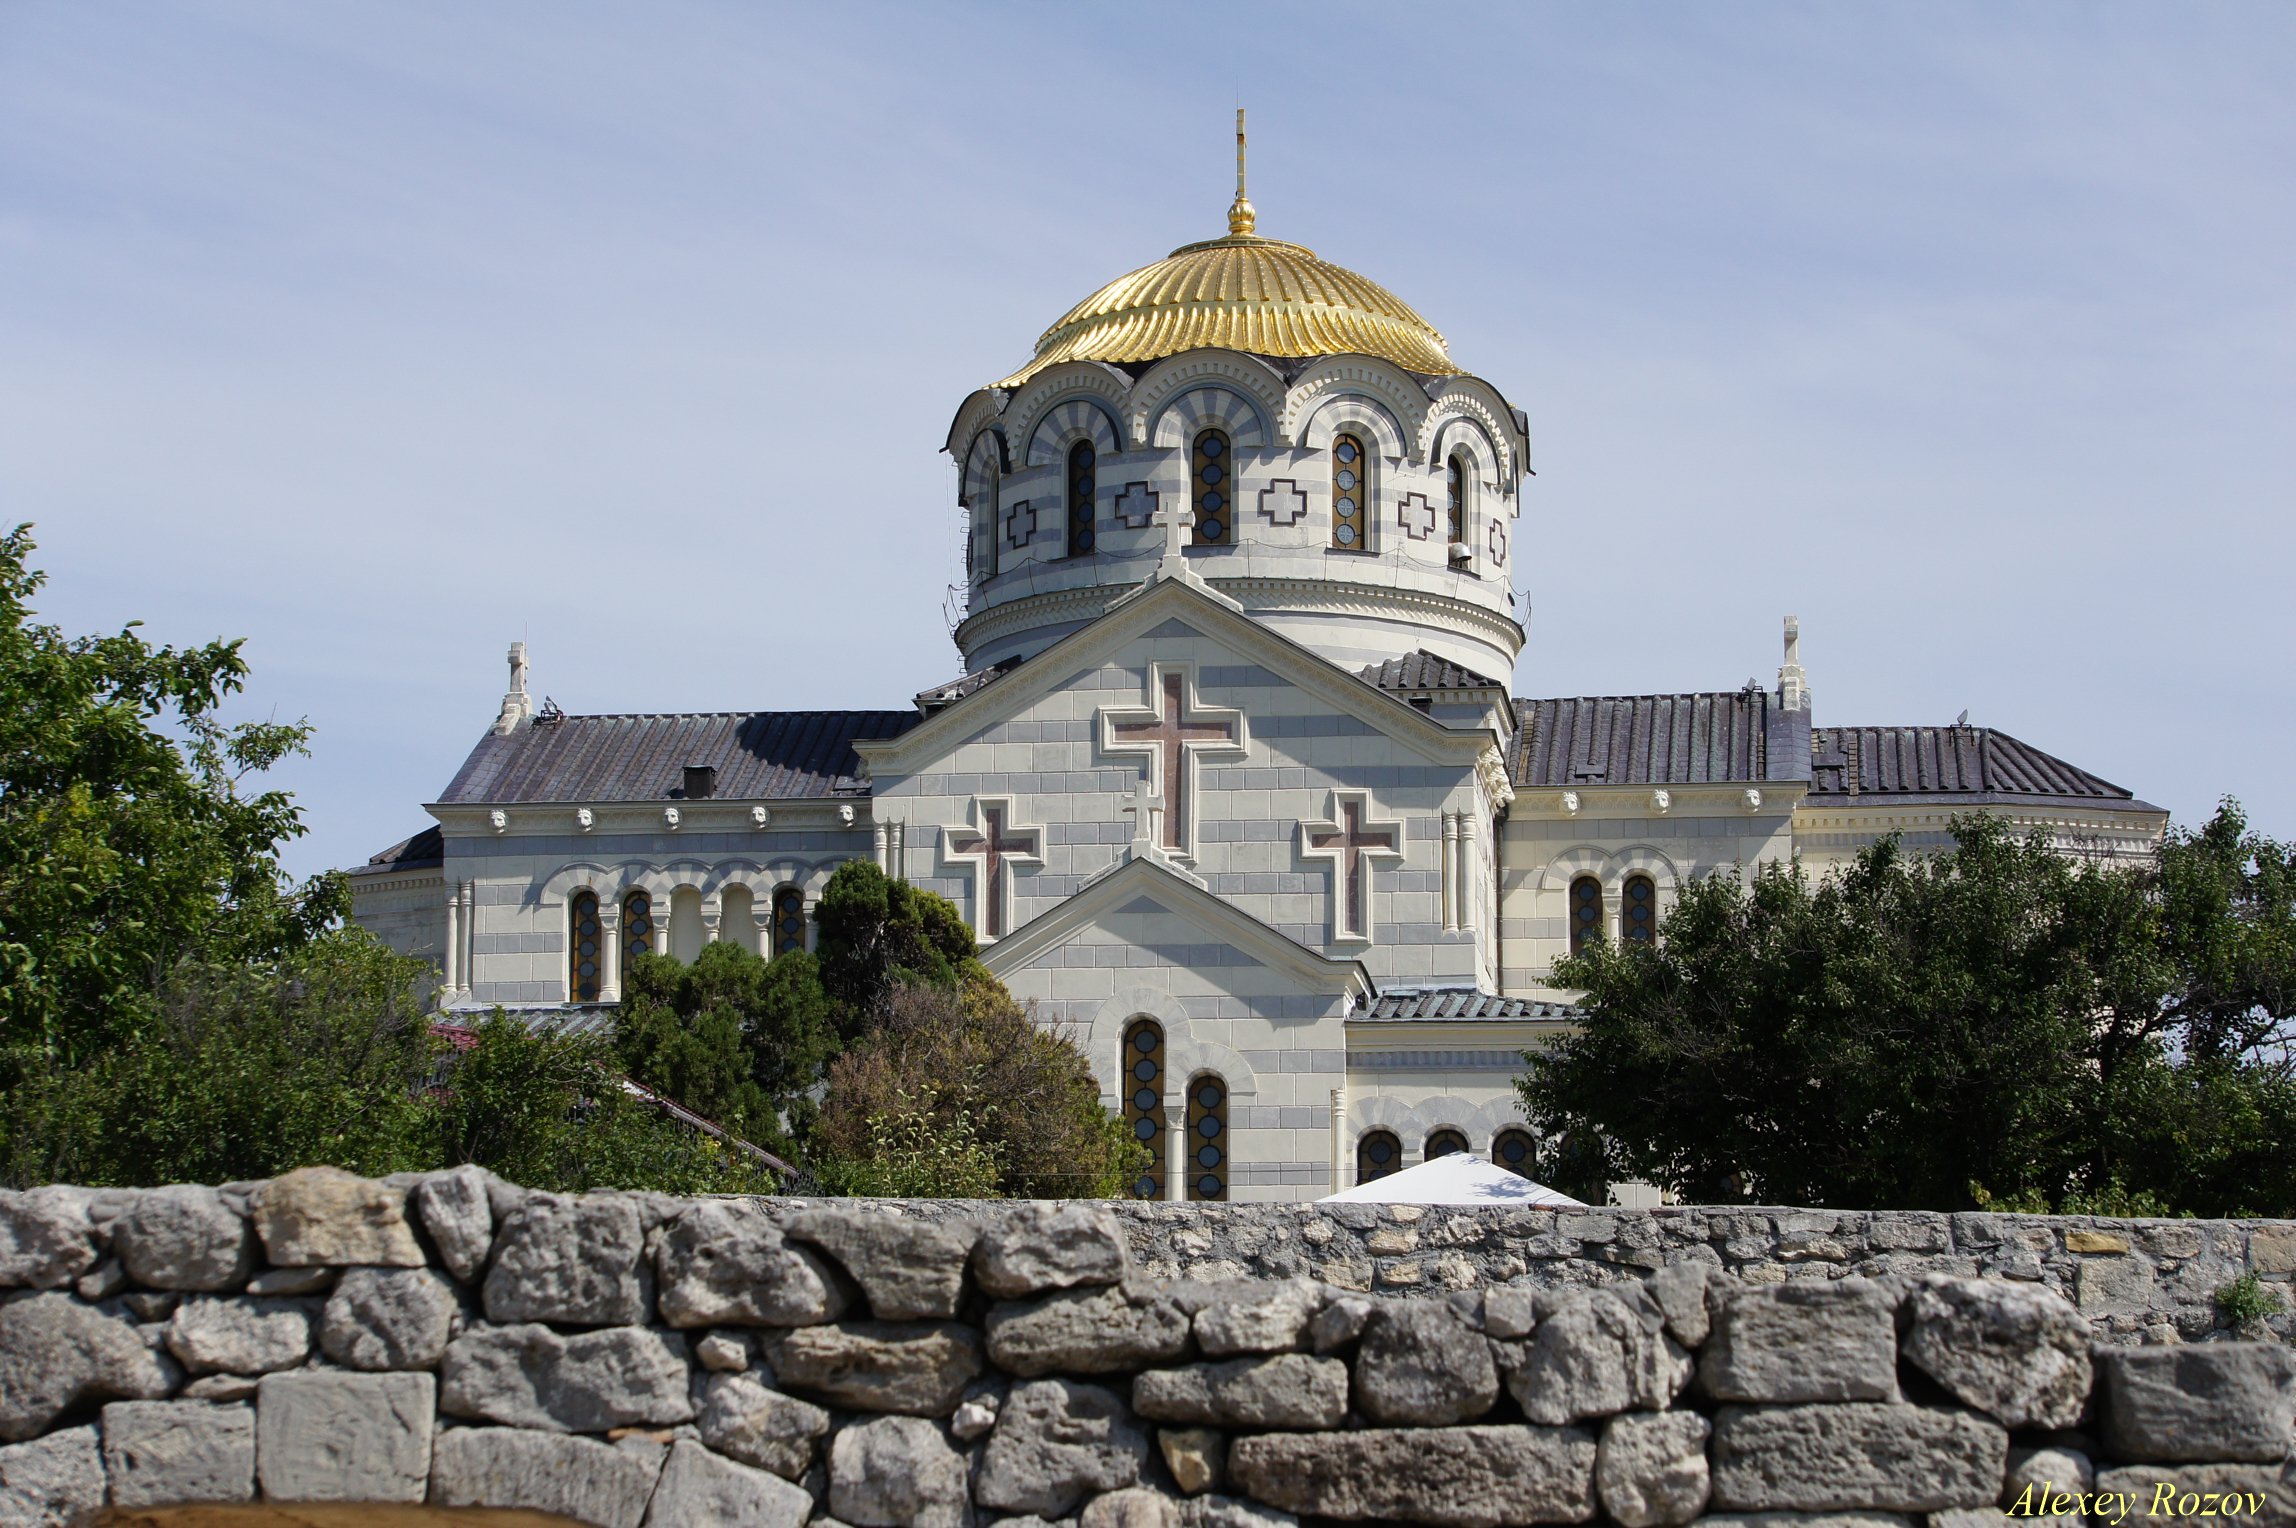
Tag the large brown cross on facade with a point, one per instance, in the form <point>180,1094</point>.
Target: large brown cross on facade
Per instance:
<point>991,851</point>
<point>1348,841</point>
<point>1169,731</point>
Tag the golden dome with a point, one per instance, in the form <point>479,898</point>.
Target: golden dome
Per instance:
<point>1261,296</point>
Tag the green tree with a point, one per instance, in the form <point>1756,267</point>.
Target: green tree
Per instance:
<point>878,933</point>
<point>1910,1031</point>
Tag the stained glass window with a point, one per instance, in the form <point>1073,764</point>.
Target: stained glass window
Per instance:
<point>1350,492</point>
<point>1456,484</point>
<point>1444,1143</point>
<point>1586,912</point>
<point>1207,1138</point>
<point>1639,916</point>
<point>1513,1150</point>
<point>1143,1084</point>
<point>637,929</point>
<point>1377,1155</point>
<point>585,947</point>
<point>788,920</point>
<point>1215,490</point>
<point>1082,487</point>
<point>985,515</point>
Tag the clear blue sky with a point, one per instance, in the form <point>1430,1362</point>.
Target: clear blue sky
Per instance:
<point>382,335</point>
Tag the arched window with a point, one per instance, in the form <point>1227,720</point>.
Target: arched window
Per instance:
<point>1350,492</point>
<point>584,946</point>
<point>1639,916</point>
<point>1586,912</point>
<point>1143,1083</point>
<point>682,931</point>
<point>1207,1138</point>
<point>1456,486</point>
<point>788,920</point>
<point>1082,485</point>
<point>637,929</point>
<point>1514,1150</point>
<point>1445,1143</point>
<point>1215,496</point>
<point>737,916</point>
<point>985,524</point>
<point>1377,1155</point>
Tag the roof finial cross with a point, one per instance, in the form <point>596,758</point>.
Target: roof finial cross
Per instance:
<point>1241,218</point>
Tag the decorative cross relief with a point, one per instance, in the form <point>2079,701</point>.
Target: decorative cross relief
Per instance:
<point>1020,525</point>
<point>995,845</point>
<point>1282,502</point>
<point>1350,839</point>
<point>1176,731</point>
<point>1498,540</point>
<point>1416,516</point>
<point>1136,506</point>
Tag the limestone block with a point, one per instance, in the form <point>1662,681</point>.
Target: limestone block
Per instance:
<point>56,1353</point>
<point>567,1259</point>
<point>1133,1508</point>
<point>1807,1340</point>
<point>725,1263</point>
<point>327,1436</point>
<point>1088,1331</point>
<point>52,1482</point>
<point>1339,1324</point>
<point>1593,1354</point>
<point>918,1368</point>
<point>239,1334</point>
<point>184,1237</point>
<point>1290,1390</point>
<point>579,1478</point>
<point>747,1419</point>
<point>317,1216</point>
<point>908,1270</point>
<point>1196,1456</point>
<point>160,1453</point>
<point>272,1282</point>
<point>1047,1246</point>
<point>697,1489</point>
<point>722,1353</point>
<point>897,1472</point>
<point>2165,1496</point>
<point>1861,1456</point>
<point>976,1417</point>
<point>220,1387</point>
<point>1680,1291</point>
<point>1651,1468</point>
<point>1056,1443</point>
<point>1472,1477</point>
<point>2113,1285</point>
<point>1421,1365</point>
<point>459,1215</point>
<point>2042,1486</point>
<point>530,1376</point>
<point>46,1240</point>
<point>2271,1251</point>
<point>1255,1317</point>
<point>1230,1512</point>
<point>2206,1402</point>
<point>388,1318</point>
<point>2016,1351</point>
<point>1510,1312</point>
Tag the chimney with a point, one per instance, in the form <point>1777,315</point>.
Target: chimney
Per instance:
<point>701,781</point>
<point>1793,683</point>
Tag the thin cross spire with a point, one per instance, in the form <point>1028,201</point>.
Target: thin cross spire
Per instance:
<point>1241,219</point>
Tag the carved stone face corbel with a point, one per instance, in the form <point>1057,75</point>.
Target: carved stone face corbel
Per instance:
<point>1662,802</point>
<point>585,819</point>
<point>671,817</point>
<point>1570,803</point>
<point>845,815</point>
<point>1753,800</point>
<point>760,817</point>
<point>499,820</point>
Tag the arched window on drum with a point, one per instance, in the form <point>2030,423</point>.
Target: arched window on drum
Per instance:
<point>1445,1143</point>
<point>985,529</point>
<point>1455,493</point>
<point>637,930</point>
<point>788,920</point>
<point>1376,1155</point>
<point>1350,494</point>
<point>1083,486</point>
<point>585,972</point>
<point>1638,914</point>
<point>1213,476</point>
<point>1514,1150</point>
<point>1207,1164</point>
<point>1586,912</point>
<point>1144,1102</point>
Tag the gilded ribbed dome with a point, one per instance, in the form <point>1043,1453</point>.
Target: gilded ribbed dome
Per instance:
<point>1261,296</point>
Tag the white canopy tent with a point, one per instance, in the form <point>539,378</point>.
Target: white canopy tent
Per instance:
<point>1455,1179</point>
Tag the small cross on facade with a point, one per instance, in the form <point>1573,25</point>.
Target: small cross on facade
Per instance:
<point>992,850</point>
<point>1176,522</point>
<point>1142,805</point>
<point>1349,841</point>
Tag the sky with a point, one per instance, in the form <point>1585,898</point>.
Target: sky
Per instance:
<point>385,335</point>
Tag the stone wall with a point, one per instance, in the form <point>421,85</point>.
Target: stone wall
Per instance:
<point>324,1348</point>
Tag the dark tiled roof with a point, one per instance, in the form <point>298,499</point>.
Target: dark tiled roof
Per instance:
<point>1423,670</point>
<point>758,755</point>
<point>1642,739</point>
<point>1455,1003</point>
<point>421,851</point>
<point>929,701</point>
<point>1848,762</point>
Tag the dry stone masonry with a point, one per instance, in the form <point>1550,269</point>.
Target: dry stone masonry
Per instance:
<point>319,1346</point>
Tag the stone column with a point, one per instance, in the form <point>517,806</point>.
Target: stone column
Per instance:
<point>713,912</point>
<point>450,961</point>
<point>469,938</point>
<point>1175,1141</point>
<point>881,846</point>
<point>812,900</point>
<point>898,854</point>
<point>1447,871</point>
<point>1341,1157</point>
<point>609,951</point>
<point>1462,875</point>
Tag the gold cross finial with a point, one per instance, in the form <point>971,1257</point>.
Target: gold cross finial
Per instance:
<point>1241,219</point>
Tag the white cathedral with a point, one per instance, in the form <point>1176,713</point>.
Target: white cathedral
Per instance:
<point>1233,785</point>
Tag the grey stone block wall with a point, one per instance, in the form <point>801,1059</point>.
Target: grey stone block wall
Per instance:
<point>449,1341</point>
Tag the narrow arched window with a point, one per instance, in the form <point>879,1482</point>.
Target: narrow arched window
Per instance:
<point>788,920</point>
<point>1445,1143</point>
<point>1215,489</point>
<point>1377,1155</point>
<point>1586,912</point>
<point>1456,491</point>
<point>1513,1150</point>
<point>1083,483</point>
<point>1350,492</point>
<point>985,524</point>
<point>637,929</point>
<point>1208,1138</point>
<point>1638,916</point>
<point>1143,1084</point>
<point>585,972</point>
